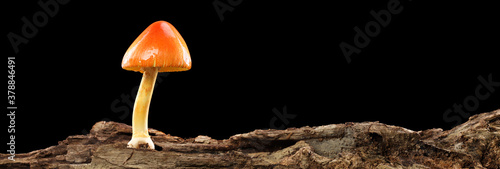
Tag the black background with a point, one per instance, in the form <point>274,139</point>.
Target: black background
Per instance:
<point>262,55</point>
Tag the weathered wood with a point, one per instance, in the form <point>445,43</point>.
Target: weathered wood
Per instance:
<point>474,144</point>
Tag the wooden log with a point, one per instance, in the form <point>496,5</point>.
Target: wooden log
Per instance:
<point>474,144</point>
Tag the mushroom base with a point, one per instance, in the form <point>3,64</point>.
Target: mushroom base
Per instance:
<point>137,142</point>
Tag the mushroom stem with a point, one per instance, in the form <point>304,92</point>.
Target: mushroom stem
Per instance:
<point>140,133</point>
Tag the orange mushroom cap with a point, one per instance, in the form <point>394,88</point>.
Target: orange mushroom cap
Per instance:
<point>161,46</point>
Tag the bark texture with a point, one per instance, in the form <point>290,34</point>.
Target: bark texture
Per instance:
<point>474,144</point>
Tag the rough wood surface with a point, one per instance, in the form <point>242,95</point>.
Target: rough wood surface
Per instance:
<point>474,144</point>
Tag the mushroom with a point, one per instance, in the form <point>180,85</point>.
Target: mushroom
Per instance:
<point>159,48</point>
